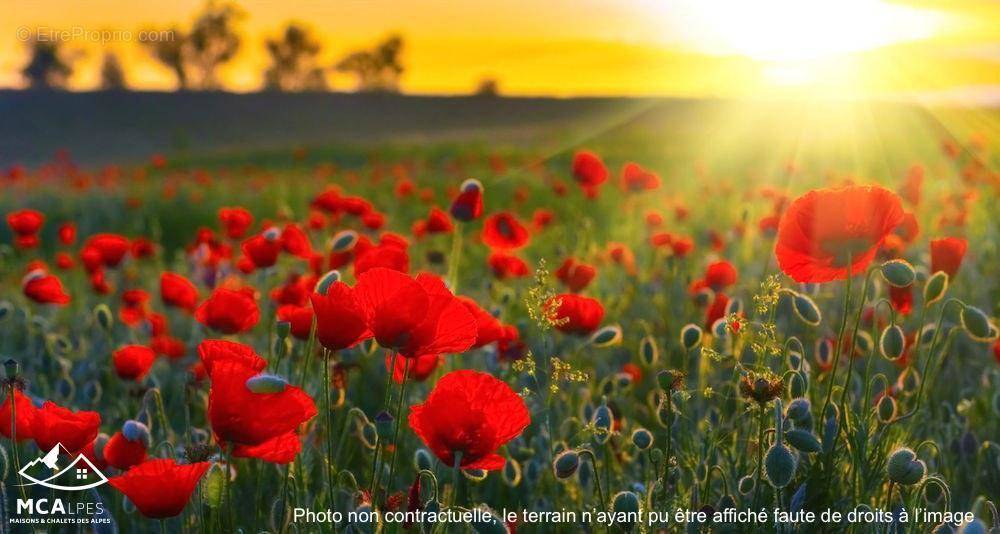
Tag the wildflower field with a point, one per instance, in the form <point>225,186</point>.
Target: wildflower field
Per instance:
<point>621,335</point>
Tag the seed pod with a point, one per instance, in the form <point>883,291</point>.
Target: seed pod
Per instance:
<point>422,460</point>
<point>935,288</point>
<point>606,336</point>
<point>803,440</point>
<point>745,485</point>
<point>806,310</point>
<point>886,408</point>
<point>649,352</point>
<point>511,472</point>
<point>488,522</point>
<point>904,468</point>
<point>642,439</point>
<point>625,504</point>
<point>266,383</point>
<point>102,314</point>
<point>323,285</point>
<point>976,323</point>
<point>898,273</point>
<point>691,336</point>
<point>892,342</point>
<point>565,464</point>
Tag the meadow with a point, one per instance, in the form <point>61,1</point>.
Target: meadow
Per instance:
<point>682,306</point>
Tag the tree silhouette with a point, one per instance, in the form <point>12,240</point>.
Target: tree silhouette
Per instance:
<point>112,74</point>
<point>378,69</point>
<point>195,56</point>
<point>293,61</point>
<point>47,68</point>
<point>488,87</point>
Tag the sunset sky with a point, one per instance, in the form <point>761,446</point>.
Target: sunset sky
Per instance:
<point>946,49</point>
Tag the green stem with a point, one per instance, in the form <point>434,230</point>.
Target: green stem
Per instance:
<point>399,417</point>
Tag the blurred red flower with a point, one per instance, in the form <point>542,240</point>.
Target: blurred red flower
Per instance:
<point>576,275</point>
<point>44,288</point>
<point>589,171</point>
<point>25,413</point>
<point>472,414</point>
<point>824,229</point>
<point>105,249</point>
<point>25,224</point>
<point>160,488</point>
<point>502,231</point>
<point>177,291</point>
<point>229,311</point>
<point>236,221</point>
<point>468,204</point>
<point>507,265</point>
<point>419,368</point>
<point>635,178</point>
<point>122,453</point>
<point>54,424</point>
<point>133,362</point>
<point>947,254</point>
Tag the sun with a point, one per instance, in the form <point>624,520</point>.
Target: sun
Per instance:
<point>795,30</point>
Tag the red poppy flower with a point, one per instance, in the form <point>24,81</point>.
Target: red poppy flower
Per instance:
<point>635,178</point>
<point>681,246</point>
<point>177,291</point>
<point>901,298</point>
<point>295,291</point>
<point>168,346</point>
<point>262,418</point>
<point>472,414</point>
<point>295,241</point>
<point>25,222</point>
<point>577,315</point>
<point>720,275</point>
<point>213,351</point>
<point>108,249</point>
<point>438,222</point>
<point>133,362</point>
<point>384,256</point>
<point>299,319</point>
<point>510,347</point>
<point>419,368</point>
<point>67,233</point>
<point>488,328</point>
<point>228,311</point>
<point>947,254</point>
<point>54,425</point>
<point>44,288</point>
<point>622,255</point>
<point>468,205</point>
<point>122,453</point>
<point>823,229</point>
<point>716,310</point>
<point>26,412</point>
<point>414,316</point>
<point>64,261</point>
<point>160,488</point>
<point>589,171</point>
<point>502,231</point>
<point>236,221</point>
<point>541,219</point>
<point>341,321</point>
<point>263,249</point>
<point>143,248</point>
<point>507,265</point>
<point>575,275</point>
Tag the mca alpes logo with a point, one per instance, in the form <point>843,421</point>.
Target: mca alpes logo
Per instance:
<point>80,474</point>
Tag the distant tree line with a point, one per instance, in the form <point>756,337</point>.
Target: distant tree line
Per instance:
<point>196,55</point>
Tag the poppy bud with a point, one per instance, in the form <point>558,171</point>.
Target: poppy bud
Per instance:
<point>664,415</point>
<point>642,439</point>
<point>996,403</point>
<point>806,310</point>
<point>6,310</point>
<point>384,423</point>
<point>892,342</point>
<point>719,328</point>
<point>973,527</point>
<point>904,467</point>
<point>422,460</point>
<point>488,522</point>
<point>943,528</point>
<point>935,288</point>
<point>328,279</point>
<point>625,504</point>
<point>798,384</point>
<point>863,343</point>
<point>656,456</point>
<point>135,431</point>
<point>565,464</point>
<point>704,296</point>
<point>65,387</point>
<point>214,485</point>
<point>11,368</point>
<point>602,420</point>
<point>745,485</point>
<point>798,409</point>
<point>898,273</point>
<point>779,465</point>
<point>976,323</point>
<point>475,475</point>
<point>511,472</point>
<point>886,409</point>
<point>803,440</point>
<point>607,336</point>
<point>649,352</point>
<point>343,241</point>
<point>468,205</point>
<point>266,383</point>
<point>368,435</point>
<point>691,336</point>
<point>282,329</point>
<point>103,316</point>
<point>92,391</point>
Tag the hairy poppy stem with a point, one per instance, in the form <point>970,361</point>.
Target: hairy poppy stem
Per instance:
<point>399,417</point>
<point>597,476</point>
<point>840,345</point>
<point>760,455</point>
<point>455,258</point>
<point>328,422</point>
<point>13,436</point>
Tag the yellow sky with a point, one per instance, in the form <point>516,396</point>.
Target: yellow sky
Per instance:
<point>580,47</point>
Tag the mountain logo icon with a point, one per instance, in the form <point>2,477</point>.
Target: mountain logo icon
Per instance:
<point>80,474</point>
